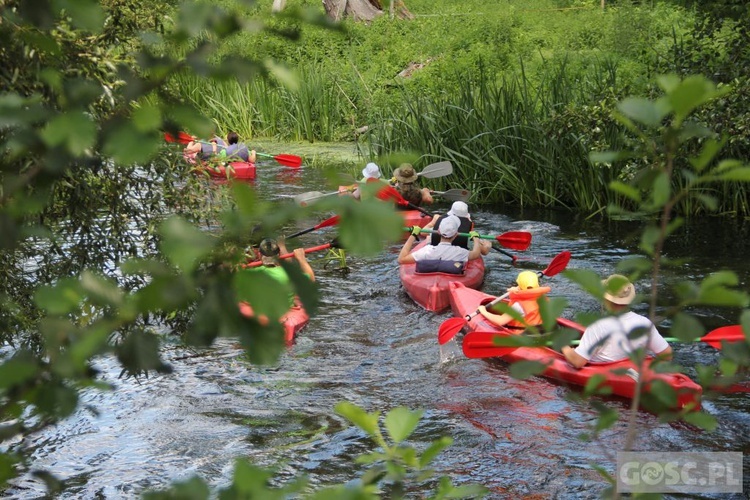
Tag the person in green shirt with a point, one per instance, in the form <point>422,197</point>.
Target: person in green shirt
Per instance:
<point>270,250</point>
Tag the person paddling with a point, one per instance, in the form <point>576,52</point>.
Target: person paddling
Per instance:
<point>613,338</point>
<point>270,250</point>
<point>238,149</point>
<point>370,174</point>
<point>523,300</point>
<point>460,210</point>
<point>406,184</point>
<point>445,257</point>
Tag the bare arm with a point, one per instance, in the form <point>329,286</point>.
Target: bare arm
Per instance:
<point>405,257</point>
<point>496,319</point>
<point>476,249</point>
<point>573,357</point>
<point>299,254</point>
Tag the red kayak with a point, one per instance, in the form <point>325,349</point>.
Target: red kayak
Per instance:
<point>235,170</point>
<point>414,218</point>
<point>620,376</point>
<point>430,290</point>
<point>293,321</point>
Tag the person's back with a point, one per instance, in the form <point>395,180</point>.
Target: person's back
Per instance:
<point>614,337</point>
<point>460,210</point>
<point>406,184</point>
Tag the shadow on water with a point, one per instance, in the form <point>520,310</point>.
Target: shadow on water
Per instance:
<point>372,346</point>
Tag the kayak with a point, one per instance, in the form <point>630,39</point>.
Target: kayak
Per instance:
<point>430,290</point>
<point>235,170</point>
<point>620,376</point>
<point>414,218</point>
<point>293,320</point>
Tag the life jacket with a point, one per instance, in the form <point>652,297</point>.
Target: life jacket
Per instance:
<point>466,226</point>
<point>528,301</point>
<point>440,266</point>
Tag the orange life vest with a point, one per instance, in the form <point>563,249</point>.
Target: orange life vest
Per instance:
<point>528,301</point>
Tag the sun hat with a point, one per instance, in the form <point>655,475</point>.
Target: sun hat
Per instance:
<point>460,209</point>
<point>268,248</point>
<point>371,171</point>
<point>624,295</point>
<point>405,173</point>
<point>449,226</point>
<point>527,280</point>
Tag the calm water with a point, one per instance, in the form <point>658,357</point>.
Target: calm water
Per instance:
<point>371,345</point>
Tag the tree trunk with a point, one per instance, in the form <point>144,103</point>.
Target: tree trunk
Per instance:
<point>361,10</point>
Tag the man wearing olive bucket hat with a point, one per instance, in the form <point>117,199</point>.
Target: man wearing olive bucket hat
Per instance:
<point>406,184</point>
<point>613,338</point>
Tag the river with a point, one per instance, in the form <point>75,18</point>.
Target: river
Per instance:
<point>372,346</point>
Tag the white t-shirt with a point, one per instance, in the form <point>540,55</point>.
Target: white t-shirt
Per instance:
<point>607,339</point>
<point>442,251</point>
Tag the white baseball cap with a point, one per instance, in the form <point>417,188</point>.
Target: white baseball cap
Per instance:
<point>449,226</point>
<point>459,209</point>
<point>371,171</point>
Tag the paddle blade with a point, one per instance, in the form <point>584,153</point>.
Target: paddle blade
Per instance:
<point>558,264</point>
<point>303,199</point>
<point>435,170</point>
<point>293,161</point>
<point>515,240</point>
<point>449,328</point>
<point>332,221</point>
<point>482,345</point>
<point>731,333</point>
<point>454,194</point>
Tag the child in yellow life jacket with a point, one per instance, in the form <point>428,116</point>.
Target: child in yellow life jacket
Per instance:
<point>523,299</point>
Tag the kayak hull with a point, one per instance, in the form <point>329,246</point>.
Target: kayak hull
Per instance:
<point>235,170</point>
<point>431,290</point>
<point>620,377</point>
<point>415,218</point>
<point>294,320</point>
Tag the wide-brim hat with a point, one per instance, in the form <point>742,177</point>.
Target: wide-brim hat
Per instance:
<point>405,173</point>
<point>624,295</point>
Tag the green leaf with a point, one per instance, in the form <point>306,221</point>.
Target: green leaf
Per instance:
<point>147,118</point>
<point>73,130</point>
<point>434,450</point>
<point>401,422</point>
<point>594,385</point>
<point>246,198</point>
<point>590,281</point>
<point>686,327</point>
<point>84,14</point>
<point>249,479</point>
<point>662,189</point>
<point>526,369</point>
<point>649,238</point>
<point>306,289</point>
<point>702,420</point>
<point>263,292</point>
<point>366,421</point>
<point>626,190</point>
<point>127,145</point>
<point>551,309</point>
<point>641,110</point>
<point>738,174</point>
<point>100,290</point>
<point>17,370</point>
<point>62,298</point>
<point>183,245</point>
<point>139,353</point>
<point>607,418</point>
<point>728,165</point>
<point>668,82</point>
<point>365,225</point>
<point>710,149</point>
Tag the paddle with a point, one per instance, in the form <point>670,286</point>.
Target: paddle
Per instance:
<point>303,199</point>
<point>391,193</point>
<point>332,221</point>
<point>480,344</point>
<point>517,240</point>
<point>435,170</point>
<point>453,194</point>
<point>450,327</point>
<point>333,244</point>
<point>287,160</point>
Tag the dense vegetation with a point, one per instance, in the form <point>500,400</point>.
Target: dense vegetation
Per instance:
<point>515,94</point>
